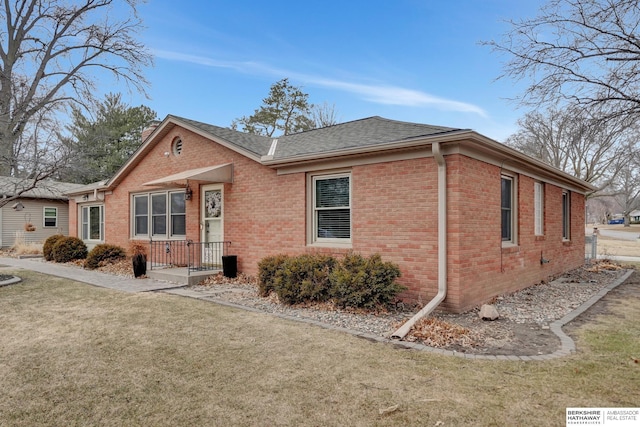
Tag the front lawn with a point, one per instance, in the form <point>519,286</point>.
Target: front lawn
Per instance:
<point>73,354</point>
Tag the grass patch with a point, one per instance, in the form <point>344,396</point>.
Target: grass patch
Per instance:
<point>73,354</point>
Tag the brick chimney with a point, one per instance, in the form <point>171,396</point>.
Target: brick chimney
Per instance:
<point>149,129</point>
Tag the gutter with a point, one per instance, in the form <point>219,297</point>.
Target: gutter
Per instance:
<point>442,246</point>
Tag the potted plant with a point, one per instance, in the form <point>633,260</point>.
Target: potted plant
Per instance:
<point>138,251</point>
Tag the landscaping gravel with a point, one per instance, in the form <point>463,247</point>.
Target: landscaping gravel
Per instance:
<point>539,304</point>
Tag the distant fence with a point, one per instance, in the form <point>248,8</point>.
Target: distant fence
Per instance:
<point>591,247</point>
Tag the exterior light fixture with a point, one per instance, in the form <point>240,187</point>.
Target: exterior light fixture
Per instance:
<point>188,193</point>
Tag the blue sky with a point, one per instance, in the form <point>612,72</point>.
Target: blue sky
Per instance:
<point>410,60</point>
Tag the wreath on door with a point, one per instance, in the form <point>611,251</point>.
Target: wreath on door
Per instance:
<point>213,204</point>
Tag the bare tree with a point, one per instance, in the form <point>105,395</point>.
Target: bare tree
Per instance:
<point>626,187</point>
<point>324,115</point>
<point>50,53</point>
<point>577,142</point>
<point>578,52</point>
<point>600,209</point>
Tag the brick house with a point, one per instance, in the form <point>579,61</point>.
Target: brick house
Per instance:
<point>451,207</point>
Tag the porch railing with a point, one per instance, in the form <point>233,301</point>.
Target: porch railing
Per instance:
<point>195,256</point>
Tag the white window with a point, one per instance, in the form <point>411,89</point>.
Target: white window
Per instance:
<point>566,215</point>
<point>50,217</point>
<point>331,206</point>
<point>92,222</point>
<point>538,208</point>
<point>159,215</point>
<point>508,208</point>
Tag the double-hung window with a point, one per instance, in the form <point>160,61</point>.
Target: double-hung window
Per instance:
<point>50,217</point>
<point>331,208</point>
<point>159,215</point>
<point>566,215</point>
<point>508,203</point>
<point>92,219</point>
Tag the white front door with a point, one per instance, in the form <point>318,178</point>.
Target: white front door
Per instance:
<point>212,214</point>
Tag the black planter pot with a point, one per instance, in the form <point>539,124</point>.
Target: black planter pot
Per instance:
<point>139,265</point>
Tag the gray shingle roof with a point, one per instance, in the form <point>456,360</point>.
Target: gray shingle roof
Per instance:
<point>45,189</point>
<point>367,132</point>
<point>256,144</point>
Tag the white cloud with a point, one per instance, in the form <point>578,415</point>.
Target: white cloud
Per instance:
<point>380,94</point>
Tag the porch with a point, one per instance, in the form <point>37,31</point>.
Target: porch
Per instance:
<point>188,262</point>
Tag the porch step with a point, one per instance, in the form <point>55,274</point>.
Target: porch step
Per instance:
<point>181,275</point>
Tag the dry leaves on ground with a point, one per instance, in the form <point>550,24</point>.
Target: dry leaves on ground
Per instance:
<point>438,333</point>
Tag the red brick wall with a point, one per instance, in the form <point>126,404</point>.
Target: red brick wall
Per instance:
<point>260,208</point>
<point>394,213</point>
<point>479,268</point>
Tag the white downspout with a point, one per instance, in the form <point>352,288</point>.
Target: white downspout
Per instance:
<point>442,246</point>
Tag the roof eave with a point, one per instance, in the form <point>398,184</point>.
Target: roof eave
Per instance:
<point>404,144</point>
<point>496,149</point>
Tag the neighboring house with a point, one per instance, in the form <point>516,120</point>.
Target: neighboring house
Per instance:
<point>449,206</point>
<point>37,214</point>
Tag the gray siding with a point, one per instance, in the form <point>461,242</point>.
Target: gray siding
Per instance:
<point>13,220</point>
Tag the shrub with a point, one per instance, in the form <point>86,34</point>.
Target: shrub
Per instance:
<point>22,247</point>
<point>137,247</point>
<point>69,249</point>
<point>364,282</point>
<point>47,247</point>
<point>104,253</point>
<point>267,270</point>
<point>304,278</point>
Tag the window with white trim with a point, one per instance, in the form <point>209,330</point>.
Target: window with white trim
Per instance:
<point>566,215</point>
<point>508,204</point>
<point>538,208</point>
<point>50,217</point>
<point>159,215</point>
<point>92,219</point>
<point>332,208</point>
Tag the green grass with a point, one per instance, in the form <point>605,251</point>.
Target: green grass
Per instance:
<point>72,354</point>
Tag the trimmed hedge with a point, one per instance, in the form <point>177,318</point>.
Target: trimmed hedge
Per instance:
<point>104,253</point>
<point>69,249</point>
<point>47,247</point>
<point>354,281</point>
<point>304,278</point>
<point>364,282</point>
<point>267,269</point>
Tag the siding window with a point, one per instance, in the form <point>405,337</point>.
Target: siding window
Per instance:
<point>538,208</point>
<point>332,208</point>
<point>508,203</point>
<point>163,214</point>
<point>92,223</point>
<point>50,217</point>
<point>566,215</point>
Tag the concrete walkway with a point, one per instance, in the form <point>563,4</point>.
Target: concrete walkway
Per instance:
<point>567,345</point>
<point>95,278</point>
